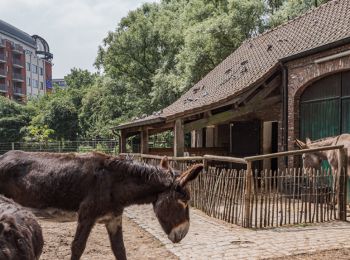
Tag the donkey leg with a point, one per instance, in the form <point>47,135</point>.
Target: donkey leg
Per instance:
<point>115,232</point>
<point>81,235</point>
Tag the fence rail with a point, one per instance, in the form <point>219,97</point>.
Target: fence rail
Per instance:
<point>106,146</point>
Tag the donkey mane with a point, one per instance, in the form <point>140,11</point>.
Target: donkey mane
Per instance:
<point>323,141</point>
<point>149,173</point>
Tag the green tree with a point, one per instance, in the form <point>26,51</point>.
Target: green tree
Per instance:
<point>291,9</point>
<point>159,50</point>
<point>39,133</point>
<point>13,117</point>
<point>79,78</point>
<point>103,106</point>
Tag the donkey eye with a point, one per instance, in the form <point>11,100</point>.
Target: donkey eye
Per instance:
<point>180,190</point>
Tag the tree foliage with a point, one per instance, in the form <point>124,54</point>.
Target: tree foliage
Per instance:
<point>13,117</point>
<point>155,54</point>
<point>292,8</point>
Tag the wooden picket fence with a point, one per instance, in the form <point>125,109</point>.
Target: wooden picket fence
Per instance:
<point>261,199</point>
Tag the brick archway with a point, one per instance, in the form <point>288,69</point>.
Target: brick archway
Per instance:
<point>303,73</point>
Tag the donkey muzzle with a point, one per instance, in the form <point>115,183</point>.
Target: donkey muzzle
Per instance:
<point>179,232</point>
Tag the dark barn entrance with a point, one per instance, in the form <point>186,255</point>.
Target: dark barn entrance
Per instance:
<point>325,107</point>
<point>245,140</point>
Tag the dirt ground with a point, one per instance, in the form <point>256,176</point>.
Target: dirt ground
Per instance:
<point>139,244</point>
<point>337,254</point>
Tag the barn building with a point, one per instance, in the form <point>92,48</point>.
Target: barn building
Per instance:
<point>290,82</point>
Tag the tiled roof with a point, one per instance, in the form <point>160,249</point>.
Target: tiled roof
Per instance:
<point>257,56</point>
<point>16,33</point>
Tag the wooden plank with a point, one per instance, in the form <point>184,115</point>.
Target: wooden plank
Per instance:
<point>144,141</point>
<point>248,193</point>
<point>268,89</point>
<point>122,145</point>
<point>225,159</point>
<point>179,138</point>
<point>297,152</point>
<point>341,183</point>
<point>230,114</point>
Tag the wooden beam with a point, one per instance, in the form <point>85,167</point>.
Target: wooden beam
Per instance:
<point>230,114</point>
<point>144,141</point>
<point>179,138</point>
<point>122,142</point>
<point>268,89</point>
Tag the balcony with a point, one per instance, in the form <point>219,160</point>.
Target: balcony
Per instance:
<point>3,73</point>
<point>17,63</point>
<point>2,58</point>
<point>3,87</point>
<point>17,91</point>
<point>17,77</point>
<point>17,49</point>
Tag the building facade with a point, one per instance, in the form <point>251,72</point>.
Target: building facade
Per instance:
<point>287,83</point>
<point>61,83</point>
<point>25,64</point>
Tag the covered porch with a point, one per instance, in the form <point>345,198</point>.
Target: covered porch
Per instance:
<point>242,126</point>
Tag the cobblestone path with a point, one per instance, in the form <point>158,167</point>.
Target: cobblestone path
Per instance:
<point>209,238</point>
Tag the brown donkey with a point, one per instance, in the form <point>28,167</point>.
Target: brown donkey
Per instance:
<point>98,187</point>
<point>21,237</point>
<point>314,160</point>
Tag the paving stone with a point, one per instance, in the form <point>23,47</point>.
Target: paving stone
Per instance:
<point>209,238</point>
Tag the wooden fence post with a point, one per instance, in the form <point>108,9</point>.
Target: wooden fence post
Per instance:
<point>13,146</point>
<point>205,164</point>
<point>247,195</point>
<point>342,183</point>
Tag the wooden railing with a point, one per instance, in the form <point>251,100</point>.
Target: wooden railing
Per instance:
<point>265,198</point>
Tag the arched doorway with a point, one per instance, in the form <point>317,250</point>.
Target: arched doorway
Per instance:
<point>325,107</point>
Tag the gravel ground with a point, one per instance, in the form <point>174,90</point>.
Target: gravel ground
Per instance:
<point>139,244</point>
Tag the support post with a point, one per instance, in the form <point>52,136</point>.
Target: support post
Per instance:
<point>248,194</point>
<point>179,138</point>
<point>342,183</point>
<point>205,164</point>
<point>122,142</point>
<point>144,141</point>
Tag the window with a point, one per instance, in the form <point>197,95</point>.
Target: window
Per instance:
<point>28,82</point>
<point>41,71</point>
<point>28,66</point>
<point>42,85</point>
<point>35,69</point>
<point>35,83</point>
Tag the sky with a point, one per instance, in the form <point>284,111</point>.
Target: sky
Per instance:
<point>73,28</point>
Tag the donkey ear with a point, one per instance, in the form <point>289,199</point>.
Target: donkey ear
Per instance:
<point>300,144</point>
<point>190,174</point>
<point>164,163</point>
<point>308,141</point>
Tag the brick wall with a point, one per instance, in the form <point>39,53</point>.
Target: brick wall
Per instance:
<point>301,73</point>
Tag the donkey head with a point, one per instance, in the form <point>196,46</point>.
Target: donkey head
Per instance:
<point>310,160</point>
<point>171,206</point>
<point>13,244</point>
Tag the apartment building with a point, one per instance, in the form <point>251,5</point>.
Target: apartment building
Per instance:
<point>25,64</point>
